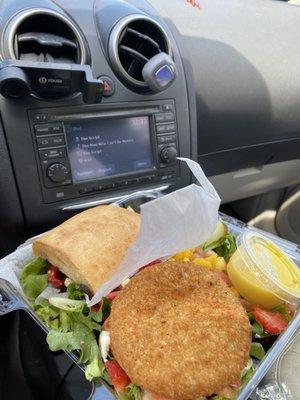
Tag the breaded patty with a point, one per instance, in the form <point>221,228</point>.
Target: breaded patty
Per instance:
<point>178,331</point>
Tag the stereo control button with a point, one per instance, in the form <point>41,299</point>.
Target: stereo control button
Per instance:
<point>161,139</point>
<point>170,139</point>
<point>108,86</point>
<point>166,139</point>
<point>160,117</point>
<point>50,154</point>
<point>168,154</point>
<point>56,128</point>
<point>43,142</point>
<point>167,107</point>
<point>57,172</point>
<point>170,127</point>
<point>57,140</point>
<point>40,117</point>
<point>169,116</point>
<point>161,129</point>
<point>42,129</point>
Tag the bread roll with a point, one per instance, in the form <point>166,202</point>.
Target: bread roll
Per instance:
<point>90,246</point>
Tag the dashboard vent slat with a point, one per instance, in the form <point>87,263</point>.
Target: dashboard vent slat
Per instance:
<point>134,40</point>
<point>46,36</point>
<point>144,37</point>
<point>134,54</point>
<point>46,39</point>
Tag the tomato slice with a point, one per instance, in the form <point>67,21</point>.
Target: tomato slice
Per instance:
<point>247,305</point>
<point>272,322</point>
<point>105,325</point>
<point>112,295</point>
<point>96,307</point>
<point>224,277</point>
<point>118,376</point>
<point>55,277</point>
<point>150,264</point>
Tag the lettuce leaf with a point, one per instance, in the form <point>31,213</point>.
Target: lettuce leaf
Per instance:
<point>89,322</point>
<point>131,392</point>
<point>72,331</point>
<point>71,322</point>
<point>224,247</point>
<point>34,278</point>
<point>48,314</point>
<point>106,377</point>
<point>257,351</point>
<point>105,307</point>
<point>83,340</point>
<point>247,372</point>
<point>63,303</point>
<point>75,291</point>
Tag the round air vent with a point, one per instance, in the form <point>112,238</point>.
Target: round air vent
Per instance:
<point>46,36</point>
<point>133,41</point>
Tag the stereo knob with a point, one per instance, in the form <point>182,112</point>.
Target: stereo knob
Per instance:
<point>57,172</point>
<point>168,154</point>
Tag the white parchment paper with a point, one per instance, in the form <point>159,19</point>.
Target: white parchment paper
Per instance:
<point>182,219</point>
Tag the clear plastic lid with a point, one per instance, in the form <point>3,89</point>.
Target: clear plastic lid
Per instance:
<point>271,266</point>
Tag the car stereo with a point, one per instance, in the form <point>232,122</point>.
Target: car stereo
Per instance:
<point>93,150</point>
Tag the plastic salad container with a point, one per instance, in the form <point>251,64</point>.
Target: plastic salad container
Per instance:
<point>281,287</point>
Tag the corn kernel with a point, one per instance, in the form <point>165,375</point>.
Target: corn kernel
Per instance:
<point>220,264</point>
<point>184,254</point>
<point>203,262</point>
<point>211,260</point>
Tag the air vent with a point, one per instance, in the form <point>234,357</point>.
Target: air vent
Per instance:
<point>46,36</point>
<point>133,41</point>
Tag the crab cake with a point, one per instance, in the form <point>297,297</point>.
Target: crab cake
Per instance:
<point>178,331</point>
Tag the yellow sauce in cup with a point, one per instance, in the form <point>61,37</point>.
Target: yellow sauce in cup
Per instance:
<point>262,273</point>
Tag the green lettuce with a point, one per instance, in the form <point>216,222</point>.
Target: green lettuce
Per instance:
<point>63,303</point>
<point>131,392</point>
<point>75,291</point>
<point>71,322</point>
<point>50,315</point>
<point>34,278</point>
<point>88,321</point>
<point>224,247</point>
<point>105,307</point>
<point>71,330</point>
<point>257,351</point>
<point>83,340</point>
<point>105,377</point>
<point>247,372</point>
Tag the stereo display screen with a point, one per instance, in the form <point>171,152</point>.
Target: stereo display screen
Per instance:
<point>107,147</point>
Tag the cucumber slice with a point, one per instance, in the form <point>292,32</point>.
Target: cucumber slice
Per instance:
<point>67,304</point>
<point>221,230</point>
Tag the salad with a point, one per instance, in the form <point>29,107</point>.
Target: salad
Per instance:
<point>73,326</point>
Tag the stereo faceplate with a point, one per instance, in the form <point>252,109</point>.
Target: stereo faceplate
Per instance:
<point>70,145</point>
